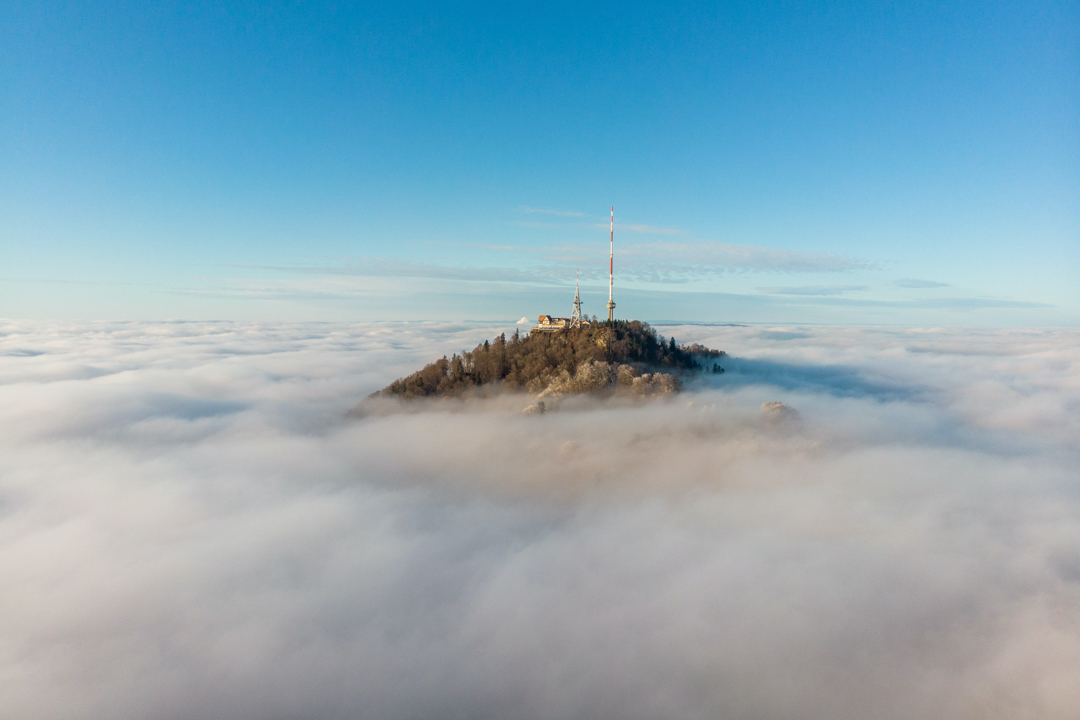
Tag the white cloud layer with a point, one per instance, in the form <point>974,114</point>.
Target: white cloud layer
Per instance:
<point>190,528</point>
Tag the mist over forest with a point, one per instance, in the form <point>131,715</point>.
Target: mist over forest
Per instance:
<point>191,526</point>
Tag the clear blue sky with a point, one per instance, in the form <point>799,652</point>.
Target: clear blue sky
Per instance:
<point>794,162</point>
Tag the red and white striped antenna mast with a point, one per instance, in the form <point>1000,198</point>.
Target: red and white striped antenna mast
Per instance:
<point>611,271</point>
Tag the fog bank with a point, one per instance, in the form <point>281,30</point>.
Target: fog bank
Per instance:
<point>191,527</point>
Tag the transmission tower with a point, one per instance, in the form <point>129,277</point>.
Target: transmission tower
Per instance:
<point>575,317</point>
<point>611,271</point>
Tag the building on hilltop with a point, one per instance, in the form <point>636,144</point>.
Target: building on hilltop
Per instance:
<point>546,323</point>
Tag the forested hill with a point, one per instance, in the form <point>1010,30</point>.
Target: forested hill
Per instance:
<point>622,350</point>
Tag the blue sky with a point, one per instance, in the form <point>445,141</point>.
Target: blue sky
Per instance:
<point>793,162</point>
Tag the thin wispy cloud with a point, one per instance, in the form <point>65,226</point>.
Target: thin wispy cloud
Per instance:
<point>548,211</point>
<point>667,261</point>
<point>52,281</point>
<point>502,248</point>
<point>919,284</point>
<point>950,303</point>
<point>824,290</point>
<point>369,279</point>
<point>962,303</point>
<point>690,260</point>
<point>660,262</point>
<point>639,229</point>
<point>397,268</point>
<point>549,225</point>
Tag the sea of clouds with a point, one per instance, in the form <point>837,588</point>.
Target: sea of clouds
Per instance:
<point>191,527</point>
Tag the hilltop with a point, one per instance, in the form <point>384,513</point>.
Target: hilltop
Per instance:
<point>625,356</point>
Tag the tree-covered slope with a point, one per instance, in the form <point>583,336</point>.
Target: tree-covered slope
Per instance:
<point>534,362</point>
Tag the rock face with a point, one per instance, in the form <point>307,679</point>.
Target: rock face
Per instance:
<point>594,376</point>
<point>618,357</point>
<point>776,411</point>
<point>534,409</point>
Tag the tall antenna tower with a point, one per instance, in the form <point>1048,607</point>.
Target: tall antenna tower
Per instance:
<point>575,317</point>
<point>611,271</point>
